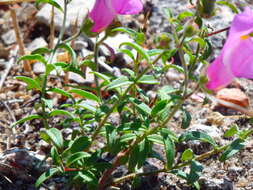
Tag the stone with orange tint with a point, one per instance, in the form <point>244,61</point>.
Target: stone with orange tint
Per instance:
<point>233,95</point>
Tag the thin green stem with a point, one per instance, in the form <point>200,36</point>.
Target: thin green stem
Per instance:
<point>44,85</point>
<point>198,158</point>
<point>96,55</point>
<point>104,120</point>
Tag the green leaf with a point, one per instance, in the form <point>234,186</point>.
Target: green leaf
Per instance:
<point>129,71</point>
<point>119,82</point>
<point>141,106</point>
<point>129,53</point>
<point>31,83</point>
<point>61,92</point>
<point>187,155</point>
<point>235,147</point>
<point>61,112</point>
<point>169,150</point>
<point>85,94</point>
<point>133,158</point>
<point>88,177</point>
<point>103,77</point>
<point>184,15</point>
<point>232,131</point>
<point>28,118</point>
<point>80,144</point>
<point>158,107</point>
<point>51,2</point>
<point>196,135</point>
<point>137,36</point>
<point>186,120</point>
<point>195,172</point>
<point>139,50</point>
<point>144,149</point>
<point>55,156</point>
<point>148,79</point>
<point>230,5</point>
<point>49,68</point>
<point>77,156</point>
<point>33,57</point>
<point>56,137</point>
<point>155,138</point>
<point>127,137</point>
<point>46,176</point>
<point>69,49</point>
<point>42,50</point>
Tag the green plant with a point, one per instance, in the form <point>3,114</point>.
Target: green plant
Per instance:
<point>143,121</point>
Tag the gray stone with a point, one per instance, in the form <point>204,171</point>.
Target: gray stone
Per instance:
<point>38,68</point>
<point>37,43</point>
<point>9,37</point>
<point>77,9</point>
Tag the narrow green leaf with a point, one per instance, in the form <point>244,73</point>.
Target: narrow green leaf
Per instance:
<point>129,53</point>
<point>80,144</point>
<point>61,92</point>
<point>51,2</point>
<point>28,118</point>
<point>61,112</point>
<point>119,82</point>
<point>186,120</point>
<point>141,106</point>
<point>169,150</point>
<point>158,107</point>
<point>77,156</point>
<point>56,137</point>
<point>133,158</point>
<point>127,137</point>
<point>196,135</point>
<point>42,50</point>
<point>155,138</point>
<point>139,50</point>
<point>55,156</point>
<point>144,150</point>
<point>228,4</point>
<point>235,147</point>
<point>69,49</point>
<point>31,83</point>
<point>46,176</point>
<point>195,172</point>
<point>148,79</point>
<point>85,94</point>
<point>32,57</point>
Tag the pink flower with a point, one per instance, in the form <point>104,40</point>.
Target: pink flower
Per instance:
<point>104,11</point>
<point>236,58</point>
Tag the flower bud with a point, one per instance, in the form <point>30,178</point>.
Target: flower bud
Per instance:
<point>87,26</point>
<point>206,8</point>
<point>163,41</point>
<point>191,28</point>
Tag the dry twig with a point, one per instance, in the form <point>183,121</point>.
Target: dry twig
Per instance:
<point>27,66</point>
<point>9,2</point>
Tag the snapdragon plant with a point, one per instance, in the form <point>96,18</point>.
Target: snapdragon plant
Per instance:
<point>143,121</point>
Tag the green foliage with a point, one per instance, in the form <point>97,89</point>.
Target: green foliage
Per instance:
<point>118,118</point>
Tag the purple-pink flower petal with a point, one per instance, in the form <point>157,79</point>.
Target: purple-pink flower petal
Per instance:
<point>236,58</point>
<point>104,11</point>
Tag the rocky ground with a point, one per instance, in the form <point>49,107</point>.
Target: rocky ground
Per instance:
<point>21,148</point>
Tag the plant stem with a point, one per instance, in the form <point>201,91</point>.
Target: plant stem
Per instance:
<point>96,52</point>
<point>198,158</point>
<point>218,31</point>
<point>43,92</point>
